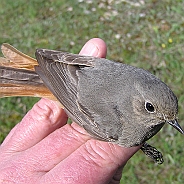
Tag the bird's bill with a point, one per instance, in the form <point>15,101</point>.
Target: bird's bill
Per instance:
<point>176,125</point>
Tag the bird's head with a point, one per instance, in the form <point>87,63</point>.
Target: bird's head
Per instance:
<point>159,102</point>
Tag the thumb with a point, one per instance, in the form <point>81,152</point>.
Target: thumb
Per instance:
<point>94,47</point>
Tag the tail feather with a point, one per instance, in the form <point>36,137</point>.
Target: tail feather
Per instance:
<point>20,82</point>
<point>17,75</point>
<point>16,59</point>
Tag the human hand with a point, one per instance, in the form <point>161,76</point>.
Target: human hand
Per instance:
<point>43,149</point>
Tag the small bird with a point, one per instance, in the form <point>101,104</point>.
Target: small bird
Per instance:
<point>112,101</point>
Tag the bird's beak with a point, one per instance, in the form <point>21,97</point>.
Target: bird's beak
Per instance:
<point>176,125</point>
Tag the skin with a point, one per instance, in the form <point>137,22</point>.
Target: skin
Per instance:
<point>42,148</point>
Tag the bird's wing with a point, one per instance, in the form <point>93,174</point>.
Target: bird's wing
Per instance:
<point>65,57</point>
<point>59,73</point>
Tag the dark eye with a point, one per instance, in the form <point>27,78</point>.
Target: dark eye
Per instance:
<point>149,107</point>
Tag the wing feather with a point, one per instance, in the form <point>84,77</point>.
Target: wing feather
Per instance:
<point>61,78</point>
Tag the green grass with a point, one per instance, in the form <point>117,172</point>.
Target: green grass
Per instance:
<point>148,35</point>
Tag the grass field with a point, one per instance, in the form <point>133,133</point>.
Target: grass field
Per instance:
<point>147,34</point>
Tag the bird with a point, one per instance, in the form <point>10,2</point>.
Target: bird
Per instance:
<point>112,101</point>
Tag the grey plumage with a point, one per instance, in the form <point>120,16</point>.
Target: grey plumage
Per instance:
<point>113,101</point>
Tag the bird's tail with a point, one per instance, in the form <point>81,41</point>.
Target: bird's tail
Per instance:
<point>17,75</point>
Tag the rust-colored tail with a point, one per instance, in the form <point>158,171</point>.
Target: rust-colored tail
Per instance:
<point>17,75</point>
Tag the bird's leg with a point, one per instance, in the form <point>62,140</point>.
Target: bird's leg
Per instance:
<point>153,153</point>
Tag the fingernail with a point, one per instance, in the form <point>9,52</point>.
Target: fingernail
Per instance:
<point>90,49</point>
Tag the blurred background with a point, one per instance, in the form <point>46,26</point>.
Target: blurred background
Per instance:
<point>147,34</point>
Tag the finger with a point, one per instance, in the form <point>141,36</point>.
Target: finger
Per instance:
<point>57,146</point>
<point>117,176</point>
<point>95,47</point>
<point>45,117</point>
<point>95,162</point>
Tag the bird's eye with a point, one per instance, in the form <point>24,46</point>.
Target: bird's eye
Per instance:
<point>149,107</point>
